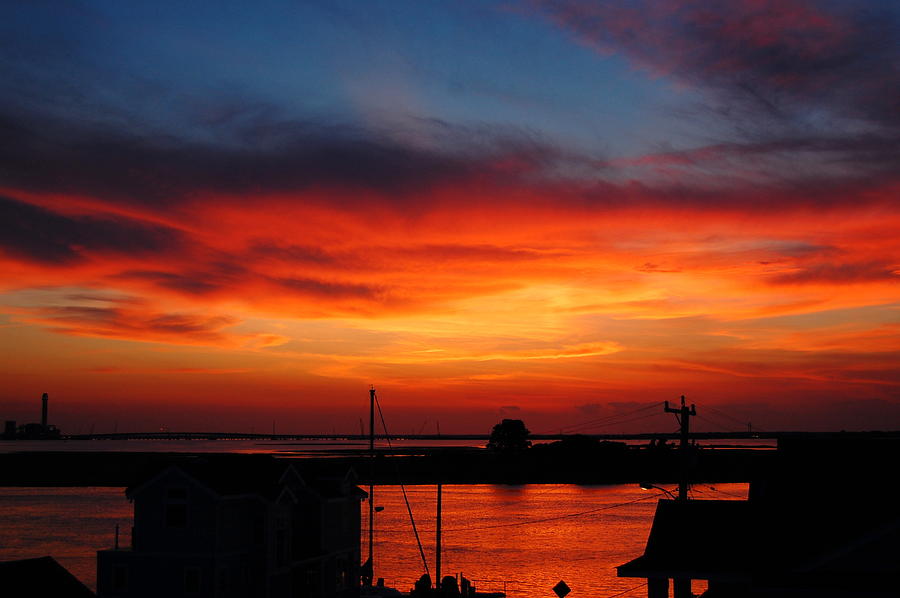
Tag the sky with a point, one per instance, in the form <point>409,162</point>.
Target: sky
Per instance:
<point>216,216</point>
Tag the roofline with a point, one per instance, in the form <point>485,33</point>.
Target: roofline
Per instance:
<point>131,493</point>
<point>286,489</point>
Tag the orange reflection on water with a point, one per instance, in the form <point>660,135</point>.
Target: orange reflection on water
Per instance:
<point>525,538</point>
<point>69,524</point>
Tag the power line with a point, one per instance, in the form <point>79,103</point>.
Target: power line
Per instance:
<point>610,417</point>
<point>556,518</point>
<point>624,421</point>
<point>628,591</point>
<point>726,416</point>
<point>714,489</point>
<point>736,420</point>
<point>715,423</point>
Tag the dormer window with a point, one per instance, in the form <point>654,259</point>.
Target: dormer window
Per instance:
<point>176,507</point>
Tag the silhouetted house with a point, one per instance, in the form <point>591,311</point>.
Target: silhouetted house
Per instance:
<point>238,528</point>
<point>821,524</point>
<point>44,577</point>
<point>687,541</point>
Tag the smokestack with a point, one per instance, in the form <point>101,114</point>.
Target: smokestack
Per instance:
<point>44,400</point>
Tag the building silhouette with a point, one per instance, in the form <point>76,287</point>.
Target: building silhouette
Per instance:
<point>237,528</point>
<point>32,431</point>
<point>820,524</point>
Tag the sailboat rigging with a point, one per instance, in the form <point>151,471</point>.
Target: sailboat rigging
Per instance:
<point>442,587</point>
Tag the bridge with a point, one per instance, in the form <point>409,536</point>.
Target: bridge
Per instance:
<point>172,435</point>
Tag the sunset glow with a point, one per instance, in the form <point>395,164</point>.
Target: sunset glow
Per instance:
<point>558,210</point>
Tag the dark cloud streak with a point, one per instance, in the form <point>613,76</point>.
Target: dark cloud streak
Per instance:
<point>838,273</point>
<point>39,153</point>
<point>36,234</point>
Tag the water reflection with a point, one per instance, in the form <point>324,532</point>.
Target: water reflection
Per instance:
<point>69,524</point>
<point>526,537</point>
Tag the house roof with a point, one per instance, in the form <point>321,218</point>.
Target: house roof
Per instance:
<point>40,577</point>
<point>820,520</point>
<point>224,475</point>
<point>736,540</point>
<point>234,475</point>
<point>702,539</point>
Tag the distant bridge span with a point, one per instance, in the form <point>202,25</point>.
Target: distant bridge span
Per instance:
<point>362,438</point>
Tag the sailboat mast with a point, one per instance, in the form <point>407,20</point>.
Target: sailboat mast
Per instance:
<point>437,551</point>
<point>371,480</point>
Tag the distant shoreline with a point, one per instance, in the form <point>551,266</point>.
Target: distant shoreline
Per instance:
<point>614,464</point>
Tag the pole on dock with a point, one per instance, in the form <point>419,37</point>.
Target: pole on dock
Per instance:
<point>683,415</point>
<point>437,551</point>
<point>371,480</point>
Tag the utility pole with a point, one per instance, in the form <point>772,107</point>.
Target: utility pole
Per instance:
<point>371,481</point>
<point>683,414</point>
<point>682,585</point>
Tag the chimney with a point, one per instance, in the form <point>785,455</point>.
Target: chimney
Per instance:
<point>44,400</point>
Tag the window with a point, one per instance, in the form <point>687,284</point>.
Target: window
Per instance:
<point>120,578</point>
<point>176,515</point>
<point>191,580</point>
<point>176,507</point>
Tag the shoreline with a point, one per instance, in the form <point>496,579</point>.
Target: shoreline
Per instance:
<point>610,465</point>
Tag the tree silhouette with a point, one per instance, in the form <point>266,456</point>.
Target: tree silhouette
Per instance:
<point>508,436</point>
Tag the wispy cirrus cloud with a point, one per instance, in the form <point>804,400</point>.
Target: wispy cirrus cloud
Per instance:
<point>775,56</point>
<point>795,91</point>
<point>135,319</point>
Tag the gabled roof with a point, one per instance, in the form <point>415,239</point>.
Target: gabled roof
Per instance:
<point>731,540</point>
<point>225,475</point>
<point>701,539</point>
<point>326,487</point>
<point>42,577</point>
<point>812,528</point>
<point>236,475</point>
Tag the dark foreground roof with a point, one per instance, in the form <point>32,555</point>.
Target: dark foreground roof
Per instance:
<point>820,523</point>
<point>697,539</point>
<point>42,577</point>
